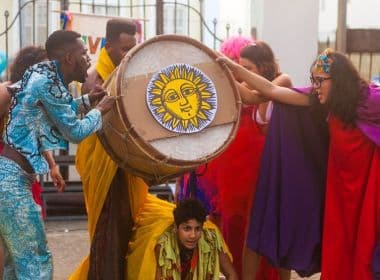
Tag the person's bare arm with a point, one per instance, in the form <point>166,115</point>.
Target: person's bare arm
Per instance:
<point>263,86</point>
<point>5,99</point>
<point>282,80</point>
<point>226,267</point>
<point>55,173</point>
<point>249,96</point>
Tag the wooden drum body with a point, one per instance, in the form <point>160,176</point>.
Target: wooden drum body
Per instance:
<point>177,108</point>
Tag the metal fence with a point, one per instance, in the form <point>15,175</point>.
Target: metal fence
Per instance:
<point>34,20</point>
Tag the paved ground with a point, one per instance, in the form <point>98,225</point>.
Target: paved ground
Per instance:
<point>68,241</point>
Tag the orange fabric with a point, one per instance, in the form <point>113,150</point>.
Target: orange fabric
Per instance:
<point>97,171</point>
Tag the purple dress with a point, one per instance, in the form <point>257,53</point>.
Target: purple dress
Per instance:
<point>287,214</point>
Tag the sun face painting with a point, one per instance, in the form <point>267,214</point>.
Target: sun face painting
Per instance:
<point>182,98</point>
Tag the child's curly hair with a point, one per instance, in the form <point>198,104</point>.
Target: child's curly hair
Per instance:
<point>188,209</point>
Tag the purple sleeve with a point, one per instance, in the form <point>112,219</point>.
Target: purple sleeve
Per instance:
<point>369,114</point>
<point>303,90</point>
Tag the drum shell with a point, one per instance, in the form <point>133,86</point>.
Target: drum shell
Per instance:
<point>125,143</point>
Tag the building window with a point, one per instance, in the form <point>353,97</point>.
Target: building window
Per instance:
<point>175,19</point>
<point>33,26</point>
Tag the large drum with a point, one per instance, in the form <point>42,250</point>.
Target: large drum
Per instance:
<point>176,108</point>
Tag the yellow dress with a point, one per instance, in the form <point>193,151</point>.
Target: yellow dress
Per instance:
<point>152,216</point>
<point>153,220</point>
<point>97,170</point>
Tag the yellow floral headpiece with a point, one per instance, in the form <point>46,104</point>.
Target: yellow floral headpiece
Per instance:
<point>324,61</point>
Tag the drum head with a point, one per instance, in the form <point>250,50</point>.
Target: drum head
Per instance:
<point>179,105</point>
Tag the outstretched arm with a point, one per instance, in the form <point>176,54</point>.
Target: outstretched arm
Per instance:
<point>226,267</point>
<point>249,96</point>
<point>283,80</point>
<point>265,87</point>
<point>58,105</point>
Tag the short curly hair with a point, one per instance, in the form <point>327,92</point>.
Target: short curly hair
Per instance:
<point>60,42</point>
<point>188,209</point>
<point>117,26</point>
<point>232,46</point>
<point>25,58</point>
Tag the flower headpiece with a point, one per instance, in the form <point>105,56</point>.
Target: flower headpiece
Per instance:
<point>324,61</point>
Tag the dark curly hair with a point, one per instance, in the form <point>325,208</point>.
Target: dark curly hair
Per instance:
<point>346,88</point>
<point>261,54</point>
<point>117,26</point>
<point>25,58</point>
<point>188,209</point>
<point>60,42</point>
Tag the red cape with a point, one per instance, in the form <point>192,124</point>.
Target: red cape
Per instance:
<point>352,213</point>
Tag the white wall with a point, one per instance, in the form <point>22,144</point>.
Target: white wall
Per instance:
<point>360,14</point>
<point>291,29</point>
<point>363,13</point>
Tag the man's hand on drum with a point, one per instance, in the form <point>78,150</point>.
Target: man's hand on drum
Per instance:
<point>106,104</point>
<point>96,94</point>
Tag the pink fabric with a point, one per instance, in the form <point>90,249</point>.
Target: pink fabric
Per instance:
<point>232,46</point>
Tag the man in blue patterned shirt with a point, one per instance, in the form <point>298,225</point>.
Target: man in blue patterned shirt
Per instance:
<point>43,117</point>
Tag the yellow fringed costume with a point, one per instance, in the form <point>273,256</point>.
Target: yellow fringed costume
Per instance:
<point>97,171</point>
<point>152,216</point>
<point>155,219</point>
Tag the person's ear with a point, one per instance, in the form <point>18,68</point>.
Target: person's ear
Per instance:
<point>69,58</point>
<point>108,46</point>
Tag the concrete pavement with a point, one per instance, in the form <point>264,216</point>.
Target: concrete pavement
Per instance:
<point>69,243</point>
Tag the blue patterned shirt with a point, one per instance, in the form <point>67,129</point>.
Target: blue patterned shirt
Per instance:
<point>44,117</point>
